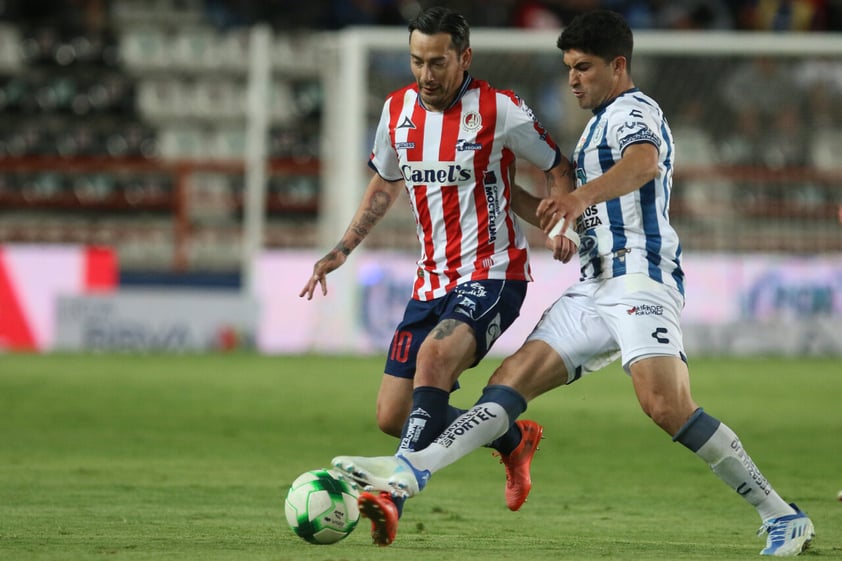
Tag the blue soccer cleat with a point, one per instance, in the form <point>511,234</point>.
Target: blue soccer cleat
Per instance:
<point>788,535</point>
<point>393,474</point>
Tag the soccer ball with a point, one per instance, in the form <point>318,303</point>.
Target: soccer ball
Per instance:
<point>321,507</point>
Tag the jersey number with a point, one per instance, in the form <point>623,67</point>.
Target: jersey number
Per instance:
<point>400,346</point>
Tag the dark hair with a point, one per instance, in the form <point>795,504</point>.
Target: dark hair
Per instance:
<point>601,32</point>
<point>441,20</point>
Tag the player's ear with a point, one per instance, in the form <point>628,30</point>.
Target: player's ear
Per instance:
<point>466,56</point>
<point>619,64</point>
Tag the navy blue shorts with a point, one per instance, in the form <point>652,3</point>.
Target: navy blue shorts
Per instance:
<point>489,307</point>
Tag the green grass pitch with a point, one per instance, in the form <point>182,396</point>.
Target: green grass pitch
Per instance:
<point>128,457</point>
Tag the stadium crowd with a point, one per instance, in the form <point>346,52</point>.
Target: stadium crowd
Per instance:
<point>777,15</point>
<point>773,15</point>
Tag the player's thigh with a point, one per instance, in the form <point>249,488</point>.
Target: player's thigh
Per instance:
<point>575,331</point>
<point>488,307</point>
<point>446,352</point>
<point>473,316</point>
<point>535,368</point>
<point>394,401</point>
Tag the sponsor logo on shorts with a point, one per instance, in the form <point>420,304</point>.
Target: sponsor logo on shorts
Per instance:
<point>472,289</point>
<point>466,306</point>
<point>645,310</point>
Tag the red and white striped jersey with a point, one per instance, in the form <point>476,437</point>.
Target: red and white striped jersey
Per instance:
<point>455,166</point>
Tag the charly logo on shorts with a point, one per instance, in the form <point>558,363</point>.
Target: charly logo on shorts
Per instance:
<point>645,310</point>
<point>493,331</point>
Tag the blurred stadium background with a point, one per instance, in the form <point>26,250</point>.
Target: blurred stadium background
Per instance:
<point>171,169</point>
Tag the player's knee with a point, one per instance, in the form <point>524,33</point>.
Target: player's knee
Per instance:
<point>506,374</point>
<point>666,413</point>
<point>390,423</point>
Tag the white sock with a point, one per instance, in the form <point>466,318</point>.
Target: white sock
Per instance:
<point>475,428</point>
<point>731,463</point>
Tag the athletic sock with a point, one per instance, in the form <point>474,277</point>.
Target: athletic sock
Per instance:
<point>486,421</point>
<point>399,502</point>
<point>515,405</point>
<point>507,443</point>
<point>428,417</point>
<point>453,414</point>
<point>715,443</point>
<point>430,414</point>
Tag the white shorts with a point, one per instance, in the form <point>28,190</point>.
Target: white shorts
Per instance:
<point>595,322</point>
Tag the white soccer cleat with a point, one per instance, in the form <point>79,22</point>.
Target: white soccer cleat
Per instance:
<point>788,535</point>
<point>393,474</point>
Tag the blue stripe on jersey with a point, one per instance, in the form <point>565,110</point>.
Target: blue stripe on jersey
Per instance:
<point>615,213</point>
<point>580,163</point>
<point>651,231</point>
<point>677,272</point>
<point>665,132</point>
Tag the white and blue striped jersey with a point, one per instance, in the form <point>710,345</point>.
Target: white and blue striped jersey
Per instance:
<point>631,233</point>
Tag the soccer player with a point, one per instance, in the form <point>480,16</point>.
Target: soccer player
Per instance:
<point>451,141</point>
<point>627,304</point>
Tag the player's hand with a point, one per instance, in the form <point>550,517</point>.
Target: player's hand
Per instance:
<point>563,248</point>
<point>323,266</point>
<point>564,208</point>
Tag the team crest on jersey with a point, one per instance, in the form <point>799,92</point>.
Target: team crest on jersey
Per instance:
<point>599,132</point>
<point>595,135</point>
<point>406,123</point>
<point>471,121</point>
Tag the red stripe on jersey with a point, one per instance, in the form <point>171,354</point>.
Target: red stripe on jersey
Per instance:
<point>485,137</point>
<point>416,135</point>
<point>451,123</point>
<point>422,206</point>
<point>518,258</point>
<point>395,109</point>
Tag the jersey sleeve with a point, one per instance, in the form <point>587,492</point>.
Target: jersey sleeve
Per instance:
<point>526,137</point>
<point>383,158</point>
<point>633,123</point>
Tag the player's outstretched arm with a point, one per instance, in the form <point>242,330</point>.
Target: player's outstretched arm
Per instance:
<point>638,166</point>
<point>526,206</point>
<point>379,197</point>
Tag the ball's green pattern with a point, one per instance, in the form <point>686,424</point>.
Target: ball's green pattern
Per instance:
<point>321,508</point>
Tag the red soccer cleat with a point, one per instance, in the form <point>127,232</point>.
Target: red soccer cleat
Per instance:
<point>383,513</point>
<point>518,480</point>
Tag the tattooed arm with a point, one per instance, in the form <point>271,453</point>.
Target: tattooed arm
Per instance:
<point>377,200</point>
